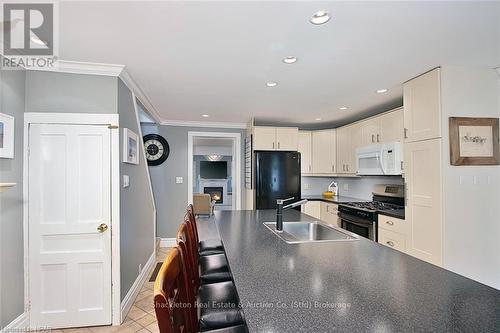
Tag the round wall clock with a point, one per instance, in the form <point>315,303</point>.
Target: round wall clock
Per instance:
<point>157,149</point>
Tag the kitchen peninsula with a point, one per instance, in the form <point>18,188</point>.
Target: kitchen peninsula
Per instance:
<point>347,286</point>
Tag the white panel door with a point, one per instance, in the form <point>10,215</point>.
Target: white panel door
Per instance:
<point>424,200</point>
<point>305,146</point>
<point>323,151</point>
<point>69,198</point>
<point>391,126</point>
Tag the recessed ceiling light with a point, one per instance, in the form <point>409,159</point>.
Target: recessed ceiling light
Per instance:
<point>381,91</point>
<point>205,115</point>
<point>271,84</point>
<point>289,60</point>
<point>320,17</point>
<point>343,108</point>
<point>318,119</point>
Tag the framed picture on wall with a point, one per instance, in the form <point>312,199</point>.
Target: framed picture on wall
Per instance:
<point>474,141</point>
<point>130,147</point>
<point>6,136</point>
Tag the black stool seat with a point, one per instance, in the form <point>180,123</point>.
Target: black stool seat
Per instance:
<point>214,268</point>
<point>218,304</point>
<point>210,246</point>
<point>232,329</point>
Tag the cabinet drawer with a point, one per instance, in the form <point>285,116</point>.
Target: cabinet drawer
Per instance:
<point>329,213</point>
<point>392,239</point>
<point>391,224</point>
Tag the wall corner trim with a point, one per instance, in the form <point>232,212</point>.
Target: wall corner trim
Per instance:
<point>129,299</point>
<point>21,323</point>
<point>167,242</point>
<point>189,123</point>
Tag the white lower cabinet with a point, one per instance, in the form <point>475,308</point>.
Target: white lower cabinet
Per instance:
<point>313,209</point>
<point>392,232</point>
<point>329,213</point>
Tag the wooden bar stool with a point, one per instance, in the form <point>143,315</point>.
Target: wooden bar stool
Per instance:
<point>213,268</point>
<point>209,296</point>
<point>175,306</point>
<point>208,246</point>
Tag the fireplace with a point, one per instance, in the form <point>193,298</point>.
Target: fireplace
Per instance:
<point>216,193</point>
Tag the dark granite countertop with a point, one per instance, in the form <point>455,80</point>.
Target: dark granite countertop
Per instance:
<point>352,286</point>
<point>338,199</point>
<point>397,213</point>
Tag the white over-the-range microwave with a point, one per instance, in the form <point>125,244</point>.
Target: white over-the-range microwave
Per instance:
<point>380,159</point>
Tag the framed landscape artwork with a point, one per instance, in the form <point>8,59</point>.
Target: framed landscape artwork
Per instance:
<point>474,141</point>
<point>130,147</point>
<point>6,136</point>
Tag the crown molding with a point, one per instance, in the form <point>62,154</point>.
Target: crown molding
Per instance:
<point>140,95</point>
<point>188,123</point>
<point>76,67</point>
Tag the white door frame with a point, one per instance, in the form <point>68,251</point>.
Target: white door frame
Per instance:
<point>80,119</point>
<point>236,169</point>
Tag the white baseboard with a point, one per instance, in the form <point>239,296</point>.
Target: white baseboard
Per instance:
<point>129,299</point>
<point>17,325</point>
<point>167,242</point>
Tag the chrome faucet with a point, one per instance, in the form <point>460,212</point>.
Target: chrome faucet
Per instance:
<point>281,208</point>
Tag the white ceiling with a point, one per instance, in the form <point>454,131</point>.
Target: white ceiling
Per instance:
<point>194,58</point>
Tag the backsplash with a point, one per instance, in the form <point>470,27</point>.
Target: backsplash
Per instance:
<point>360,188</point>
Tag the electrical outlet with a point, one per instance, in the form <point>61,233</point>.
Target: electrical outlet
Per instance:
<point>179,180</point>
<point>307,186</point>
<point>345,187</point>
<point>126,181</point>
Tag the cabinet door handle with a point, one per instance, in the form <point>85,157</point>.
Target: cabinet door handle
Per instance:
<point>390,243</point>
<point>273,145</point>
<point>343,167</point>
<point>373,138</point>
<point>389,222</point>
<point>378,137</point>
<point>402,165</point>
<point>406,133</point>
<point>278,145</point>
<point>309,167</point>
<point>333,168</point>
<point>347,167</point>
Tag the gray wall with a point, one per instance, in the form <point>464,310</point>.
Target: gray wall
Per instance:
<point>171,198</point>
<point>70,93</point>
<point>12,92</point>
<point>137,224</point>
<point>360,188</point>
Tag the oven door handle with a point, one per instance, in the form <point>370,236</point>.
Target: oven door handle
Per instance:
<point>343,218</point>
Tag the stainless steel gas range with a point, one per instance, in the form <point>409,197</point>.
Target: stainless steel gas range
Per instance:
<point>361,217</point>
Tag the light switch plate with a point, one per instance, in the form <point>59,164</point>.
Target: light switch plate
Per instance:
<point>179,180</point>
<point>307,186</point>
<point>126,181</point>
<point>346,187</point>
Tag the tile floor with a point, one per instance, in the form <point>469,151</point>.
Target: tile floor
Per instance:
<point>141,317</point>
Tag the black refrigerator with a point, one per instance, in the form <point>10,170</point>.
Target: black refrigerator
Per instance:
<point>277,176</point>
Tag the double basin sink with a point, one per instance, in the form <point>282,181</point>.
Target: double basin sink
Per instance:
<point>309,232</point>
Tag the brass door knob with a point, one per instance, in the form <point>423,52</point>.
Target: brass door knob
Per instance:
<point>102,227</point>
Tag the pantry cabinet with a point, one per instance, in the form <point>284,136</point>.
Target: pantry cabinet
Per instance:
<point>423,182</point>
<point>275,138</point>
<point>305,150</point>
<point>422,107</point>
<point>324,151</point>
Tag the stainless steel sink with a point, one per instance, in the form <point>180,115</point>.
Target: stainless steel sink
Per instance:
<point>307,232</point>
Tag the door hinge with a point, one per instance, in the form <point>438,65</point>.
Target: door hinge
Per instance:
<point>113,126</point>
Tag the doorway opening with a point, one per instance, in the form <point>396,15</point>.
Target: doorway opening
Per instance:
<point>214,171</point>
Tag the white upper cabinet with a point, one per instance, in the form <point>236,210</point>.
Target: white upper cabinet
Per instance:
<point>324,151</point>
<point>345,150</point>
<point>264,138</point>
<point>391,126</point>
<point>287,138</point>
<point>275,138</point>
<point>305,150</point>
<point>387,127</point>
<point>422,107</point>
